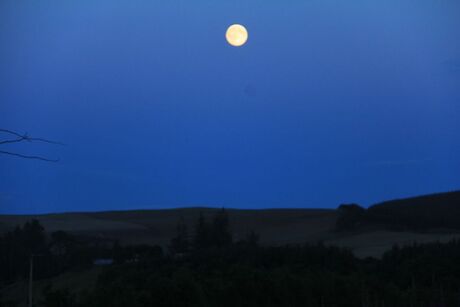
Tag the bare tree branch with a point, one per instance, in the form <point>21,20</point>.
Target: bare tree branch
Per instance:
<point>26,137</point>
<point>11,141</point>
<point>11,132</point>
<point>28,157</point>
<point>45,141</point>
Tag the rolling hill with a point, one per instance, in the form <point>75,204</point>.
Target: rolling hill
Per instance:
<point>418,219</point>
<point>440,210</point>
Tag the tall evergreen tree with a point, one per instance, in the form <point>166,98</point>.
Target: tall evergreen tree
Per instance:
<point>180,243</point>
<point>201,239</point>
<point>33,236</point>
<point>221,234</point>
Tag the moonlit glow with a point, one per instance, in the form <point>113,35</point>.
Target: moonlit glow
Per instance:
<point>236,35</point>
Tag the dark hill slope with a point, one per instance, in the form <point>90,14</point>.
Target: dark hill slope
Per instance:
<point>440,210</point>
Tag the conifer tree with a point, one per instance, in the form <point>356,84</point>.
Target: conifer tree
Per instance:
<point>201,239</point>
<point>221,234</point>
<point>180,243</point>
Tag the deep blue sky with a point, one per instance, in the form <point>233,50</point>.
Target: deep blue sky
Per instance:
<point>330,101</point>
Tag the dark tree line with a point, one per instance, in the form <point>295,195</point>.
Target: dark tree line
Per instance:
<point>314,275</point>
<point>53,253</point>
<point>206,234</point>
<point>17,246</point>
<point>214,270</point>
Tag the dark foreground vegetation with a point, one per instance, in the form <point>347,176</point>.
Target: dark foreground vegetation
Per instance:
<point>207,268</point>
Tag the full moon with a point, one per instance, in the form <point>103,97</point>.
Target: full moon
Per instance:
<point>236,35</point>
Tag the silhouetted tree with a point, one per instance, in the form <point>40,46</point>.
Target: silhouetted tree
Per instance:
<point>17,246</point>
<point>33,237</point>
<point>58,298</point>
<point>350,217</point>
<point>251,239</point>
<point>180,244</point>
<point>62,242</point>
<point>216,234</point>
<point>220,232</point>
<point>201,239</point>
<point>62,247</point>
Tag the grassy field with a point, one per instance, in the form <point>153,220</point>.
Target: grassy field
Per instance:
<point>275,227</point>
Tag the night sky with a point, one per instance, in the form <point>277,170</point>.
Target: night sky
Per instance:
<point>329,102</point>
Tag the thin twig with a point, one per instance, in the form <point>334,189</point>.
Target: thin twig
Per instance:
<point>11,132</point>
<point>44,140</point>
<point>11,141</point>
<point>26,137</point>
<point>28,157</point>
